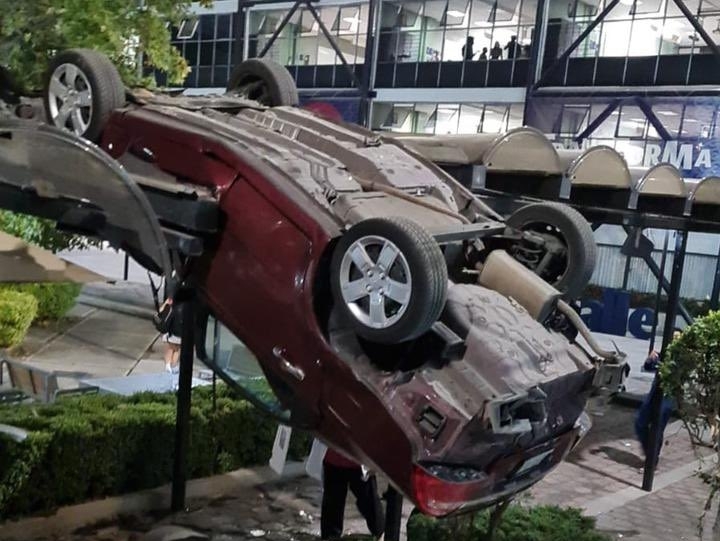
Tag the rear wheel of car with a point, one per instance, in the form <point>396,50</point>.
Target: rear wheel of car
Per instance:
<point>82,89</point>
<point>264,81</point>
<point>389,279</point>
<point>567,258</point>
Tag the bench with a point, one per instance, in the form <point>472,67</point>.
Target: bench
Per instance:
<point>27,382</point>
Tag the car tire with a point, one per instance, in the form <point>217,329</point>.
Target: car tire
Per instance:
<point>396,299</point>
<point>573,230</point>
<point>264,81</point>
<point>93,72</point>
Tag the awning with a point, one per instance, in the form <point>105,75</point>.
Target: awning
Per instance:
<point>662,179</point>
<point>707,191</point>
<point>521,150</point>
<point>600,166</point>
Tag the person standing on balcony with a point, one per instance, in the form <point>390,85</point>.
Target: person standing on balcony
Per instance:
<point>496,52</point>
<point>512,47</point>
<point>467,49</point>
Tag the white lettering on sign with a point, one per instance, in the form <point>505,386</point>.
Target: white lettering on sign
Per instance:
<point>681,156</point>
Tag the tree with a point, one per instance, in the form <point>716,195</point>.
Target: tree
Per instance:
<point>31,32</point>
<point>690,374</point>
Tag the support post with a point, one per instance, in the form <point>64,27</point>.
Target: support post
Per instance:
<point>715,295</point>
<point>393,514</point>
<point>654,443</point>
<point>537,47</point>
<point>367,82</point>
<point>185,297</point>
<point>658,293</point>
<point>126,267</point>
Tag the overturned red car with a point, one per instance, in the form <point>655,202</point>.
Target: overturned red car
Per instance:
<point>381,301</point>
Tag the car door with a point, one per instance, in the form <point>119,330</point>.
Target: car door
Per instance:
<point>256,285</point>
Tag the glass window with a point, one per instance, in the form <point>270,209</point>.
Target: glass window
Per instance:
<point>648,8</point>
<point>434,13</point>
<point>400,118</point>
<point>574,119</point>
<point>433,49</point>
<point>673,10</point>
<point>456,13</point>
<point>447,118</point>
<point>470,118</point>
<point>425,118</point>
<point>614,39</point>
<point>409,14</point>
<point>235,363</point>
<point>505,10</point>
<point>669,115</point>
<point>607,127</point>
<point>583,8</point>
<point>325,52</point>
<point>188,28</point>
<point>645,37</point>
<point>224,26</point>
<point>481,14</point>
<point>698,121</point>
<point>527,12</point>
<point>495,119</point>
<point>207,27</point>
<point>456,41</point>
<point>632,122</point>
<point>709,6</point>
<point>516,115</point>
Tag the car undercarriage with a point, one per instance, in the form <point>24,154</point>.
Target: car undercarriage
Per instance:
<point>377,294</point>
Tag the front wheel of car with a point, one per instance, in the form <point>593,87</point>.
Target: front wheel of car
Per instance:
<point>389,279</point>
<point>82,89</point>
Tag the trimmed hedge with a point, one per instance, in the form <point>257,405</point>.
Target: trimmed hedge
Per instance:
<point>93,446</point>
<point>54,299</point>
<point>519,523</point>
<point>17,311</point>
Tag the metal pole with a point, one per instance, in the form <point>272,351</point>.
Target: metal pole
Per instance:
<point>368,61</point>
<point>656,399</point>
<point>538,45</point>
<point>658,293</point>
<point>126,267</point>
<point>715,295</point>
<point>393,514</point>
<point>182,422</point>
<point>626,273</point>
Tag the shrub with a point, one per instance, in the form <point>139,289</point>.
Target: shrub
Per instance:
<point>17,311</point>
<point>519,523</point>
<point>54,299</point>
<point>94,446</point>
<point>41,232</point>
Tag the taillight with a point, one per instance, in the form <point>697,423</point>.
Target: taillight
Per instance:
<point>437,497</point>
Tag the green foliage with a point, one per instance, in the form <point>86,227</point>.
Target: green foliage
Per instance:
<point>33,31</point>
<point>54,299</point>
<point>41,232</point>
<point>691,375</point>
<point>94,446</point>
<point>17,311</point>
<point>519,523</point>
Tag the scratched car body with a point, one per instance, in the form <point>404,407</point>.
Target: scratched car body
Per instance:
<point>329,276</point>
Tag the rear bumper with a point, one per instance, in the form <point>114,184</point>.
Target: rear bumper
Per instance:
<point>436,496</point>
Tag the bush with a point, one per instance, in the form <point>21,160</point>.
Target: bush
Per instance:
<point>17,311</point>
<point>519,523</point>
<point>94,446</point>
<point>54,299</point>
<point>41,232</point>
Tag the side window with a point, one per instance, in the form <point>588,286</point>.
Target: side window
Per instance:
<point>231,359</point>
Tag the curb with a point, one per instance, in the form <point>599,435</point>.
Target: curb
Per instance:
<point>68,519</point>
<point>116,306</point>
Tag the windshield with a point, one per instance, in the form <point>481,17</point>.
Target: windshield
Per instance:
<point>90,192</point>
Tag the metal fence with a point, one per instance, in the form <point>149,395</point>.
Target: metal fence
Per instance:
<point>698,275</point>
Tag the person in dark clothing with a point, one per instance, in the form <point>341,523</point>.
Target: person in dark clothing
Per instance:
<point>496,52</point>
<point>483,54</point>
<point>339,473</point>
<point>467,49</point>
<point>511,47</point>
